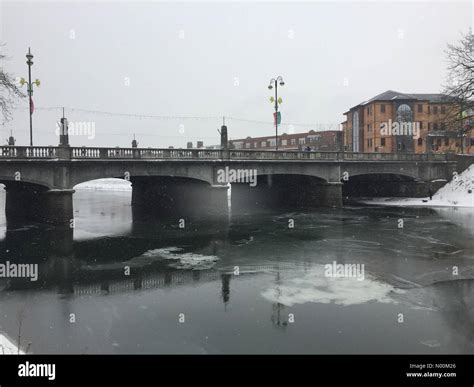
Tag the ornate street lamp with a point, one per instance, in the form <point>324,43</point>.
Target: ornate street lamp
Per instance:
<point>29,86</point>
<point>277,117</point>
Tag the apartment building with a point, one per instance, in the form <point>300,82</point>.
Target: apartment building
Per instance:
<point>394,122</point>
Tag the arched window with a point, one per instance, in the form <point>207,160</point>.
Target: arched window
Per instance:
<point>420,141</point>
<point>404,113</point>
<point>355,132</point>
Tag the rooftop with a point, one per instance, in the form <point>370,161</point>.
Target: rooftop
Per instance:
<point>391,95</point>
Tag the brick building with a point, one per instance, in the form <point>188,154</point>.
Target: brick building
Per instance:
<point>394,122</point>
<point>328,140</point>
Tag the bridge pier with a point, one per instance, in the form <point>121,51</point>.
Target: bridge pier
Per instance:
<point>287,192</point>
<point>370,187</point>
<point>174,197</point>
<point>315,194</point>
<point>23,203</point>
<point>328,195</point>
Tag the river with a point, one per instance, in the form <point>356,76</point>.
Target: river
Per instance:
<point>251,282</point>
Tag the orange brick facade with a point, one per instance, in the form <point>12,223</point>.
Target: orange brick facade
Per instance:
<point>427,113</point>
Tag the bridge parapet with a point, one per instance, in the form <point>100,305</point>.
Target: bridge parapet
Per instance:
<point>50,152</point>
<point>29,152</point>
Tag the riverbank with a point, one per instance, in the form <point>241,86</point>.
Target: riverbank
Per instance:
<point>459,192</point>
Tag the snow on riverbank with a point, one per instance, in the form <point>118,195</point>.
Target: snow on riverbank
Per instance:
<point>106,185</point>
<point>458,192</point>
<point>7,347</point>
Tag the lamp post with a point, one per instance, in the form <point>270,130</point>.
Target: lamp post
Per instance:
<point>274,84</point>
<point>29,86</point>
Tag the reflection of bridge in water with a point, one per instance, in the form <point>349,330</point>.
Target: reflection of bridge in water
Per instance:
<point>175,278</point>
<point>59,268</point>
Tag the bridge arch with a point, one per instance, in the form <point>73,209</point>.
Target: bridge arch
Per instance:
<point>24,183</point>
<point>402,175</point>
<point>105,183</point>
<point>84,173</point>
<point>383,184</point>
<point>280,190</point>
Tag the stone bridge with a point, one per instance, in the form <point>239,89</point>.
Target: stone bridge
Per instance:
<point>40,181</point>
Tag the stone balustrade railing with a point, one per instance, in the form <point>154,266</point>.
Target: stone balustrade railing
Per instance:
<point>50,152</point>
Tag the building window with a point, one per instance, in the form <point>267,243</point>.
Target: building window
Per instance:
<point>293,141</point>
<point>421,124</point>
<point>264,144</point>
<point>420,141</point>
<point>435,109</point>
<point>435,126</point>
<point>301,141</point>
<point>472,141</point>
<point>443,110</point>
<point>247,145</point>
<point>429,126</point>
<point>382,141</point>
<point>404,113</point>
<point>420,108</point>
<point>382,108</point>
<point>399,146</point>
<point>284,142</point>
<point>446,141</point>
<point>368,127</point>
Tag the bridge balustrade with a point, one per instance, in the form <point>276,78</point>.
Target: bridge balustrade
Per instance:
<point>49,152</point>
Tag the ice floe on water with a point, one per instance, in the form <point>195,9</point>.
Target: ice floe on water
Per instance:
<point>313,286</point>
<point>183,260</point>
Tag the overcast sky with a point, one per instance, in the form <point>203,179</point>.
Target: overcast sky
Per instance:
<point>216,59</point>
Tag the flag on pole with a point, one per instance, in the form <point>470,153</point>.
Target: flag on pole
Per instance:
<point>32,106</point>
<point>277,118</point>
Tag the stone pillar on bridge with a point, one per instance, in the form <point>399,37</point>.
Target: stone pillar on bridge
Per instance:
<point>286,192</point>
<point>328,195</point>
<point>58,206</point>
<point>23,203</point>
<point>169,197</point>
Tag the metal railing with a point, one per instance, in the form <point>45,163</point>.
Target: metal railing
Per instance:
<point>49,152</point>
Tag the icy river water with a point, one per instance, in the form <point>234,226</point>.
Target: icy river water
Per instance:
<point>247,283</point>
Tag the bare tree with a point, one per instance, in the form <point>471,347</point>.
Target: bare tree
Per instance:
<point>459,89</point>
<point>8,93</point>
